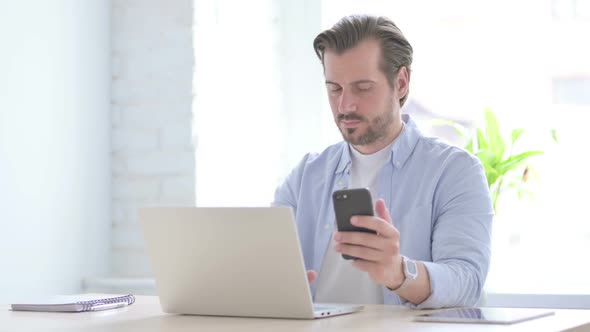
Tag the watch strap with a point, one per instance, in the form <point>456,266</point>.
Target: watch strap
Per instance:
<point>404,273</point>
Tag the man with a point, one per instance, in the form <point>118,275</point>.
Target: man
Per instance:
<point>433,212</point>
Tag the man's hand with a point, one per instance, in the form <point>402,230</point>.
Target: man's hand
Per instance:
<point>311,276</point>
<point>378,254</point>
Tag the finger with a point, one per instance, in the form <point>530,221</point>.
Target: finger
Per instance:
<point>363,265</point>
<point>362,239</point>
<point>363,253</point>
<point>382,211</point>
<point>311,276</point>
<point>382,227</point>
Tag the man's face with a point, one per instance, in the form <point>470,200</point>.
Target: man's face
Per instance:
<point>365,107</point>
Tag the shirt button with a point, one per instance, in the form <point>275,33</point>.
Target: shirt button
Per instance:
<point>397,163</point>
<point>327,226</point>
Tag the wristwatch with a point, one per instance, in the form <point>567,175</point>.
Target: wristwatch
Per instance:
<point>410,269</point>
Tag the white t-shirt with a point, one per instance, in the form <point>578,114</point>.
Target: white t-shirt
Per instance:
<point>339,281</point>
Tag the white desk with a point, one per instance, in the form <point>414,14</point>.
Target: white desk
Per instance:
<point>145,315</point>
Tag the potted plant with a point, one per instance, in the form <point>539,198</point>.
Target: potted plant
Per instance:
<point>504,169</point>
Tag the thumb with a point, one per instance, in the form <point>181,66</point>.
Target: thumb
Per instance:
<point>311,276</point>
<point>382,211</point>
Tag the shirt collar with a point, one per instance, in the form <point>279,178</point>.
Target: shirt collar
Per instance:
<point>400,150</point>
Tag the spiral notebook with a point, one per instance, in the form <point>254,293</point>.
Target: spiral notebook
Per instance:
<point>76,303</point>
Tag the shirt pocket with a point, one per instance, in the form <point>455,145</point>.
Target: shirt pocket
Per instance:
<point>415,227</point>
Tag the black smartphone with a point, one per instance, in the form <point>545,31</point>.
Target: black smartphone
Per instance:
<point>352,202</point>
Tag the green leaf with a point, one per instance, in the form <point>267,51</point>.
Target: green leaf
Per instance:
<point>486,157</point>
<point>512,185</point>
<point>554,135</point>
<point>486,153</point>
<point>516,134</point>
<point>481,140</point>
<point>469,146</point>
<point>491,175</point>
<point>514,161</point>
<point>495,141</point>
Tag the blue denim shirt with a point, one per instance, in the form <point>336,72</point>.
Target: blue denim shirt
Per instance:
<point>439,201</point>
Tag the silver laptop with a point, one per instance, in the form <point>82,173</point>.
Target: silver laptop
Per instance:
<point>230,262</point>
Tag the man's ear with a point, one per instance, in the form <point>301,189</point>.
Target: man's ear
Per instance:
<point>402,81</point>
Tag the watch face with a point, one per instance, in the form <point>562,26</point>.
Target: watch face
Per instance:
<point>411,269</point>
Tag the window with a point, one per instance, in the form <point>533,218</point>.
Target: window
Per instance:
<point>261,92</point>
<point>571,9</point>
<point>237,99</point>
<point>531,68</point>
<point>258,101</point>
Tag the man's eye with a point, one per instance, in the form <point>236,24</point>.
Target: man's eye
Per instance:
<point>335,89</point>
<point>364,87</point>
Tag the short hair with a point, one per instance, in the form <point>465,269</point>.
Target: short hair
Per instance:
<point>396,51</point>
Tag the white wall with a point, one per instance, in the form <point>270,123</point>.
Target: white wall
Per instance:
<point>54,145</point>
<point>152,152</point>
<point>153,155</point>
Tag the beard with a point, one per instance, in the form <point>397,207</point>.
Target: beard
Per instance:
<point>376,130</point>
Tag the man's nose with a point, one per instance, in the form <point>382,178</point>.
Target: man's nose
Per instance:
<point>347,103</point>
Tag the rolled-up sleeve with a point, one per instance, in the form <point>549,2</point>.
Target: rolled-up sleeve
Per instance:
<point>461,236</point>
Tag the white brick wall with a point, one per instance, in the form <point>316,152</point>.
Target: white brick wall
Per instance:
<point>153,159</point>
<point>171,161</point>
